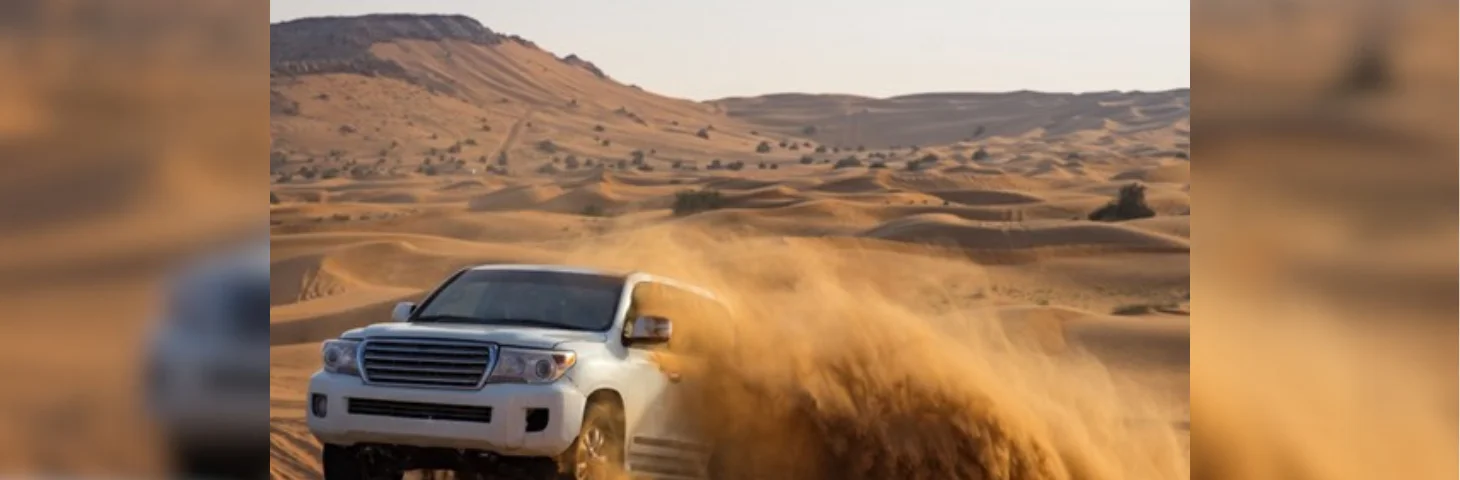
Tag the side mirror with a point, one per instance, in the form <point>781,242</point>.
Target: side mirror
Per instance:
<point>650,329</point>
<point>402,311</point>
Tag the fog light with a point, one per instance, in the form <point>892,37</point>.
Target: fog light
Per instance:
<point>318,405</point>
<point>537,419</point>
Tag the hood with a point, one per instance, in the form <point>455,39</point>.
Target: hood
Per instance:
<point>505,335</point>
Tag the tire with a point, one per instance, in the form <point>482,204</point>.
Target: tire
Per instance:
<point>217,464</point>
<point>598,452</point>
<point>345,463</point>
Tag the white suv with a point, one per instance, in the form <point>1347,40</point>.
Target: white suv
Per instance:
<point>522,370</point>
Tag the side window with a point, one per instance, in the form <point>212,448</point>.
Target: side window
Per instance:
<point>694,316</point>
<point>642,302</point>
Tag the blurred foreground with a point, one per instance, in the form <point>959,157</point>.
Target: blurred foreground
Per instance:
<point>1325,339</point>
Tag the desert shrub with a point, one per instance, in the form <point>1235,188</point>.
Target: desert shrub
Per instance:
<point>606,143</point>
<point>705,134</point>
<point>548,169</point>
<point>571,163</point>
<point>861,148</point>
<point>763,147</point>
<point>273,198</point>
<point>980,154</point>
<point>715,165</point>
<point>593,211</point>
<point>877,164</point>
<point>330,173</point>
<point>820,149</point>
<point>677,164</point>
<point>807,160</point>
<point>598,128</point>
<point>808,130</point>
<point>645,168</point>
<point>347,129</point>
<point>782,144</point>
<point>775,166</point>
<point>623,164</point>
<point>637,156</point>
<point>502,159</point>
<point>923,163</point>
<point>736,165</point>
<point>469,142</point>
<point>547,146</point>
<point>1129,204</point>
<point>1133,309</point>
<point>454,148</point>
<point>848,162</point>
<point>689,202</point>
<point>760,165</point>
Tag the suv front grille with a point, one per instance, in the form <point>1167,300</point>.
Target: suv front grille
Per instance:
<point>427,411</point>
<point>413,362</point>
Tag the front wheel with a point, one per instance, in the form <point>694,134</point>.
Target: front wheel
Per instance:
<point>598,452</point>
<point>346,463</point>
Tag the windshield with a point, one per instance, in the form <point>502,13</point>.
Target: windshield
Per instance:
<point>575,301</point>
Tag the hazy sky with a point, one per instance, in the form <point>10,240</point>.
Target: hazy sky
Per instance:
<point>702,49</point>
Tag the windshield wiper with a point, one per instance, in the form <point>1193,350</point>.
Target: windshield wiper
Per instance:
<point>526,321</point>
<point>450,318</point>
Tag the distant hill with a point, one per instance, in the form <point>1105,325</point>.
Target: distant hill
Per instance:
<point>938,118</point>
<point>409,87</point>
<point>403,90</point>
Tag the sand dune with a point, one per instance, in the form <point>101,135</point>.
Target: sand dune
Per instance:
<point>515,198</point>
<point>1175,172</point>
<point>942,227</point>
<point>986,197</point>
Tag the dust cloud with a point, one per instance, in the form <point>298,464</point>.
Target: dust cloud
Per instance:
<point>874,364</point>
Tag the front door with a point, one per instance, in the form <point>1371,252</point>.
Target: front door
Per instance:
<point>664,443</point>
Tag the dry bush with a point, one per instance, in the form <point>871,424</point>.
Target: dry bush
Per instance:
<point>1129,205</point>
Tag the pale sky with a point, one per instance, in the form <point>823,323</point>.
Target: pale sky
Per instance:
<point>707,49</point>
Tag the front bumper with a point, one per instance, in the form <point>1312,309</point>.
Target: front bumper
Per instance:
<point>506,434</point>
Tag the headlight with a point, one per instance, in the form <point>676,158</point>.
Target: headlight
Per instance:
<point>339,356</point>
<point>519,365</point>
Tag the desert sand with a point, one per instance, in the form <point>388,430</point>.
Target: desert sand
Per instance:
<point>948,278</point>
